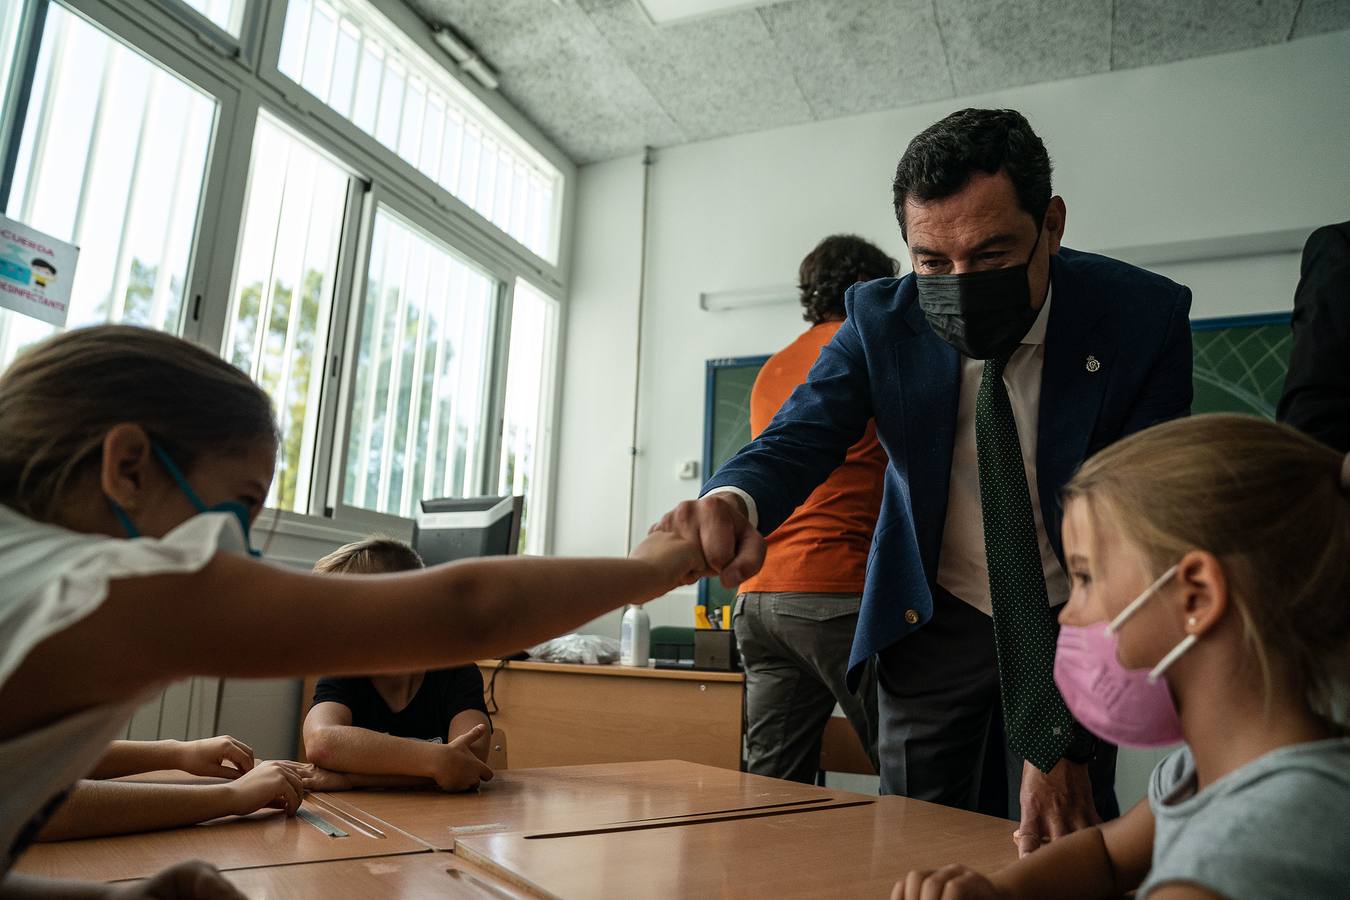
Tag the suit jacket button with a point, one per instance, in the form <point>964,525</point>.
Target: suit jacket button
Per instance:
<point>911,617</point>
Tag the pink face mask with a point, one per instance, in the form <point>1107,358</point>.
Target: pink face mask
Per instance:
<point>1129,707</point>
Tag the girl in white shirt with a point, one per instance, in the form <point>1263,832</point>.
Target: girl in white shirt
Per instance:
<point>131,467</point>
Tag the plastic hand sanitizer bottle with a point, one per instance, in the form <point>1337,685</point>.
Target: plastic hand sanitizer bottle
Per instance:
<point>635,641</point>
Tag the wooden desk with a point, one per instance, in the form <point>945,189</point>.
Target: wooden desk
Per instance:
<point>563,715</point>
<point>263,839</point>
<point>422,875</point>
<point>856,851</point>
<point>545,799</point>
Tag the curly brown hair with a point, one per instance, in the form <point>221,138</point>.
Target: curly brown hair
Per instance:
<point>835,265</point>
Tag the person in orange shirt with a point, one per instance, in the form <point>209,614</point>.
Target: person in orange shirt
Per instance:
<point>795,619</point>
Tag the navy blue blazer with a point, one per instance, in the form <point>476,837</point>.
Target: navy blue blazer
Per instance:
<point>886,363</point>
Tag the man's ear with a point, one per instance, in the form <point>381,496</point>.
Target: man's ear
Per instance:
<point>1055,217</point>
<point>127,458</point>
<point>1204,585</point>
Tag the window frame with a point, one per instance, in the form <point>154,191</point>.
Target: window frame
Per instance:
<point>163,53</point>
<point>494,384</point>
<point>243,78</point>
<point>402,177</point>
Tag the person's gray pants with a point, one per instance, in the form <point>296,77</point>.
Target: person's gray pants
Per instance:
<point>941,722</point>
<point>795,648</point>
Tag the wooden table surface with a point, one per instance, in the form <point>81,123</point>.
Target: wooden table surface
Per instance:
<point>420,876</point>
<point>563,797</point>
<point>854,851</point>
<point>265,838</point>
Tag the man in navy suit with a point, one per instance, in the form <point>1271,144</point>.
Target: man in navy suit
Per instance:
<point>992,372</point>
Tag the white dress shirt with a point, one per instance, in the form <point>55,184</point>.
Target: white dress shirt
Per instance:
<point>962,568</point>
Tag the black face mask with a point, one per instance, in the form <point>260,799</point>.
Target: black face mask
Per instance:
<point>981,314</point>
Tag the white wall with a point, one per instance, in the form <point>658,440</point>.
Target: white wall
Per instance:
<point>1199,153</point>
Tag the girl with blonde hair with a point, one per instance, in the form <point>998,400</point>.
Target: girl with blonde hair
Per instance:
<point>1210,560</point>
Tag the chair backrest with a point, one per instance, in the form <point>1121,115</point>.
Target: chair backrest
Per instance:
<point>841,750</point>
<point>306,701</point>
<point>497,750</point>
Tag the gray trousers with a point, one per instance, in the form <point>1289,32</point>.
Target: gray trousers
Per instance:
<point>794,647</point>
<point>941,720</point>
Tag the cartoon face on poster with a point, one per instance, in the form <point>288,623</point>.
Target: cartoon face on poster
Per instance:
<point>36,272</point>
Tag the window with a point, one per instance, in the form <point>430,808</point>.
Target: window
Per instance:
<point>283,292</point>
<point>11,14</point>
<point>527,427</point>
<point>420,391</point>
<point>112,158</point>
<point>352,59</point>
<point>228,14</point>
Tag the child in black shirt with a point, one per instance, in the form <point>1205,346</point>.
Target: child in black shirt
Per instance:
<point>416,729</point>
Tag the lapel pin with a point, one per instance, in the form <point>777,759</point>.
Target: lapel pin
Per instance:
<point>1093,365</point>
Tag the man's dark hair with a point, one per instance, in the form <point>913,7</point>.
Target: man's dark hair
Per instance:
<point>940,161</point>
<point>836,263</point>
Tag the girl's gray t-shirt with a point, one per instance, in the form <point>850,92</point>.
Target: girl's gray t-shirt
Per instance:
<point>1279,827</point>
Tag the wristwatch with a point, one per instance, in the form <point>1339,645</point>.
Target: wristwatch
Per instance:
<point>1082,747</point>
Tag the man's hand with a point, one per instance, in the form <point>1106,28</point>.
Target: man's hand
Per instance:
<point>952,882</point>
<point>209,755</point>
<point>278,784</point>
<point>1054,804</point>
<point>457,769</point>
<point>731,546</point>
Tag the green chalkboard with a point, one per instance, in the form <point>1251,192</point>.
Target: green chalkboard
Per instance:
<point>1240,363</point>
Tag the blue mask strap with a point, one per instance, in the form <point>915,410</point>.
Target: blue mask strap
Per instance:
<point>177,475</point>
<point>123,519</point>
<point>229,506</point>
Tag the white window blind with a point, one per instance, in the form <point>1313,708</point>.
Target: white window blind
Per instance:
<point>527,426</point>
<point>351,58</point>
<point>283,292</point>
<point>423,360</point>
<point>228,14</point>
<point>112,158</point>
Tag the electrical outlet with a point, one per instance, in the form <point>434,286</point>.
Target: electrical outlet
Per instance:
<point>687,469</point>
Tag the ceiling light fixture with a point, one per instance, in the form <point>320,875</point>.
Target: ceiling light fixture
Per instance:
<point>468,60</point>
<point>671,12</point>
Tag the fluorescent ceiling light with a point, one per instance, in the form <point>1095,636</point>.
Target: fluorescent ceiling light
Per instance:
<point>726,301</point>
<point>667,12</point>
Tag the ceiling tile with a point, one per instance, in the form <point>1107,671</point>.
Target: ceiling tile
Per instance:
<point>1321,16</point>
<point>714,76</point>
<point>855,56</point>
<point>993,45</point>
<point>1149,32</point>
<point>562,75</point>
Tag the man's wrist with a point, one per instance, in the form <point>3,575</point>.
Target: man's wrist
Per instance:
<point>745,504</point>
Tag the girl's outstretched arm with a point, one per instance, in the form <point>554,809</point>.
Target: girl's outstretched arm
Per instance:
<point>237,617</point>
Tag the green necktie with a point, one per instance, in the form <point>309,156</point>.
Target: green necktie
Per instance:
<point>1038,723</point>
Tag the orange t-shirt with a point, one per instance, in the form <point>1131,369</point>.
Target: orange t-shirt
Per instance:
<point>822,547</point>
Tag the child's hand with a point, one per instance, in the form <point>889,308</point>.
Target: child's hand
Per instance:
<point>208,756</point>
<point>192,880</point>
<point>678,560</point>
<point>948,883</point>
<point>277,784</point>
<point>316,778</point>
<point>457,768</point>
